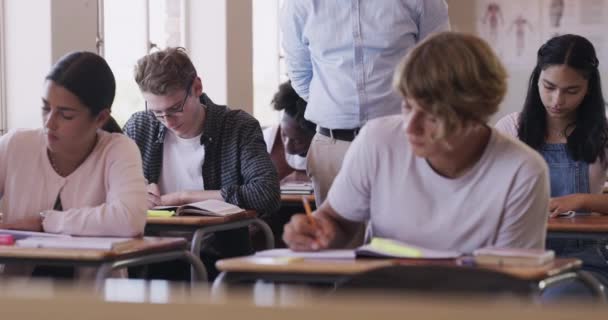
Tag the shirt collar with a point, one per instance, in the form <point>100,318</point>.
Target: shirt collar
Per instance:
<point>210,128</point>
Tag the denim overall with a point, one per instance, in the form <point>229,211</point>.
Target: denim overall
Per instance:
<point>568,177</point>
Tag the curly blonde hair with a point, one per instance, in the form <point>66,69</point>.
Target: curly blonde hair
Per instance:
<point>456,77</point>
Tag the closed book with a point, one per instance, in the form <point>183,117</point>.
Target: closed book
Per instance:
<point>297,188</point>
<point>513,256</point>
<point>388,248</point>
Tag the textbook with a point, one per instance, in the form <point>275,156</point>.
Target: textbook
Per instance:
<point>377,248</point>
<point>297,188</point>
<point>211,207</point>
<point>96,243</point>
<point>513,256</point>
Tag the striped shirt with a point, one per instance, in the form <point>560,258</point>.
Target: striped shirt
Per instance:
<point>236,161</point>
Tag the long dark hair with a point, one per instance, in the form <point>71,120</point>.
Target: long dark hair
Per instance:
<point>89,77</point>
<point>590,135</point>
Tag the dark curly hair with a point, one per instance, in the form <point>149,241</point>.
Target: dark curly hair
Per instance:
<point>287,99</point>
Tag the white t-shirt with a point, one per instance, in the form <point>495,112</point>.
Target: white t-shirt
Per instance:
<point>597,170</point>
<point>182,164</point>
<point>295,161</point>
<point>501,201</point>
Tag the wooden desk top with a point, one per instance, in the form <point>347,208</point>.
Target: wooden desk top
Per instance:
<point>135,247</point>
<point>579,223</point>
<point>296,198</point>
<point>200,220</point>
<point>559,265</point>
<point>352,266</point>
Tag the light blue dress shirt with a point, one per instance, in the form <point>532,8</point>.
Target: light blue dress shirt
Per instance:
<point>341,54</point>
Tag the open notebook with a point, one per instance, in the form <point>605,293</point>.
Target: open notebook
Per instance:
<point>203,208</point>
<point>96,243</point>
<point>513,256</point>
<point>378,247</point>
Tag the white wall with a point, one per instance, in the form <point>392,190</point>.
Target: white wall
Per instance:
<point>207,40</point>
<point>2,75</point>
<point>220,45</point>
<point>28,58</point>
<point>74,26</point>
<point>32,48</point>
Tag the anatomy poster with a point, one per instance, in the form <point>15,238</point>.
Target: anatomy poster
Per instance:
<point>587,18</point>
<point>512,28</point>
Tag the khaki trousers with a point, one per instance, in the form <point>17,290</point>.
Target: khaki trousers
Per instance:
<point>323,162</point>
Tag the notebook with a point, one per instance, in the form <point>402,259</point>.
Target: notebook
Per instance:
<point>388,248</point>
<point>513,256</point>
<point>297,188</point>
<point>323,254</point>
<point>19,234</point>
<point>98,243</point>
<point>378,247</point>
<point>211,207</point>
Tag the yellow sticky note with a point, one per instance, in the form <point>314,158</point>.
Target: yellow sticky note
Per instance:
<point>285,260</point>
<point>392,248</point>
<point>160,213</point>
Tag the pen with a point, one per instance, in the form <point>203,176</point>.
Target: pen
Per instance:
<point>311,219</point>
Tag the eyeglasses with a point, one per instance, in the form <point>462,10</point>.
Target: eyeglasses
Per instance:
<point>173,111</point>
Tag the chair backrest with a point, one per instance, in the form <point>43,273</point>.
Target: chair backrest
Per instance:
<point>439,279</point>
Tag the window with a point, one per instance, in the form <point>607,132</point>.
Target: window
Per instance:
<point>2,73</point>
<point>268,72</point>
<point>129,30</point>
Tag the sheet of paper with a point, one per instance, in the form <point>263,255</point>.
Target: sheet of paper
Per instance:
<point>324,254</point>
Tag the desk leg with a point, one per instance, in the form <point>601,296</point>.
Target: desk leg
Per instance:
<point>586,278</point>
<point>218,288</point>
<point>197,267</point>
<point>267,232</point>
<point>197,237</point>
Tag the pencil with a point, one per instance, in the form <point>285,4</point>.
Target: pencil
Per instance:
<point>311,219</point>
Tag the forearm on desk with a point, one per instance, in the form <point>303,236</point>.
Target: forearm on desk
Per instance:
<point>196,196</point>
<point>594,203</point>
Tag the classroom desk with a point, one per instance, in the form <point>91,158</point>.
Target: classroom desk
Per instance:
<point>199,226</point>
<point>331,271</point>
<point>131,253</point>
<point>296,199</point>
<point>593,226</point>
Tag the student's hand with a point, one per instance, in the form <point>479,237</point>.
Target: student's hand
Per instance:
<point>171,199</point>
<point>33,223</point>
<point>300,235</point>
<point>571,202</point>
<point>154,199</point>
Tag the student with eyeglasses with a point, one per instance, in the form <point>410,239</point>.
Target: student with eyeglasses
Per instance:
<point>194,149</point>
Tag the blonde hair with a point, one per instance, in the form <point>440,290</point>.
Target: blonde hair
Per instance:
<point>164,71</point>
<point>456,77</point>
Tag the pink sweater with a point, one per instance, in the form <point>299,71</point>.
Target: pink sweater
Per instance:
<point>105,196</point>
